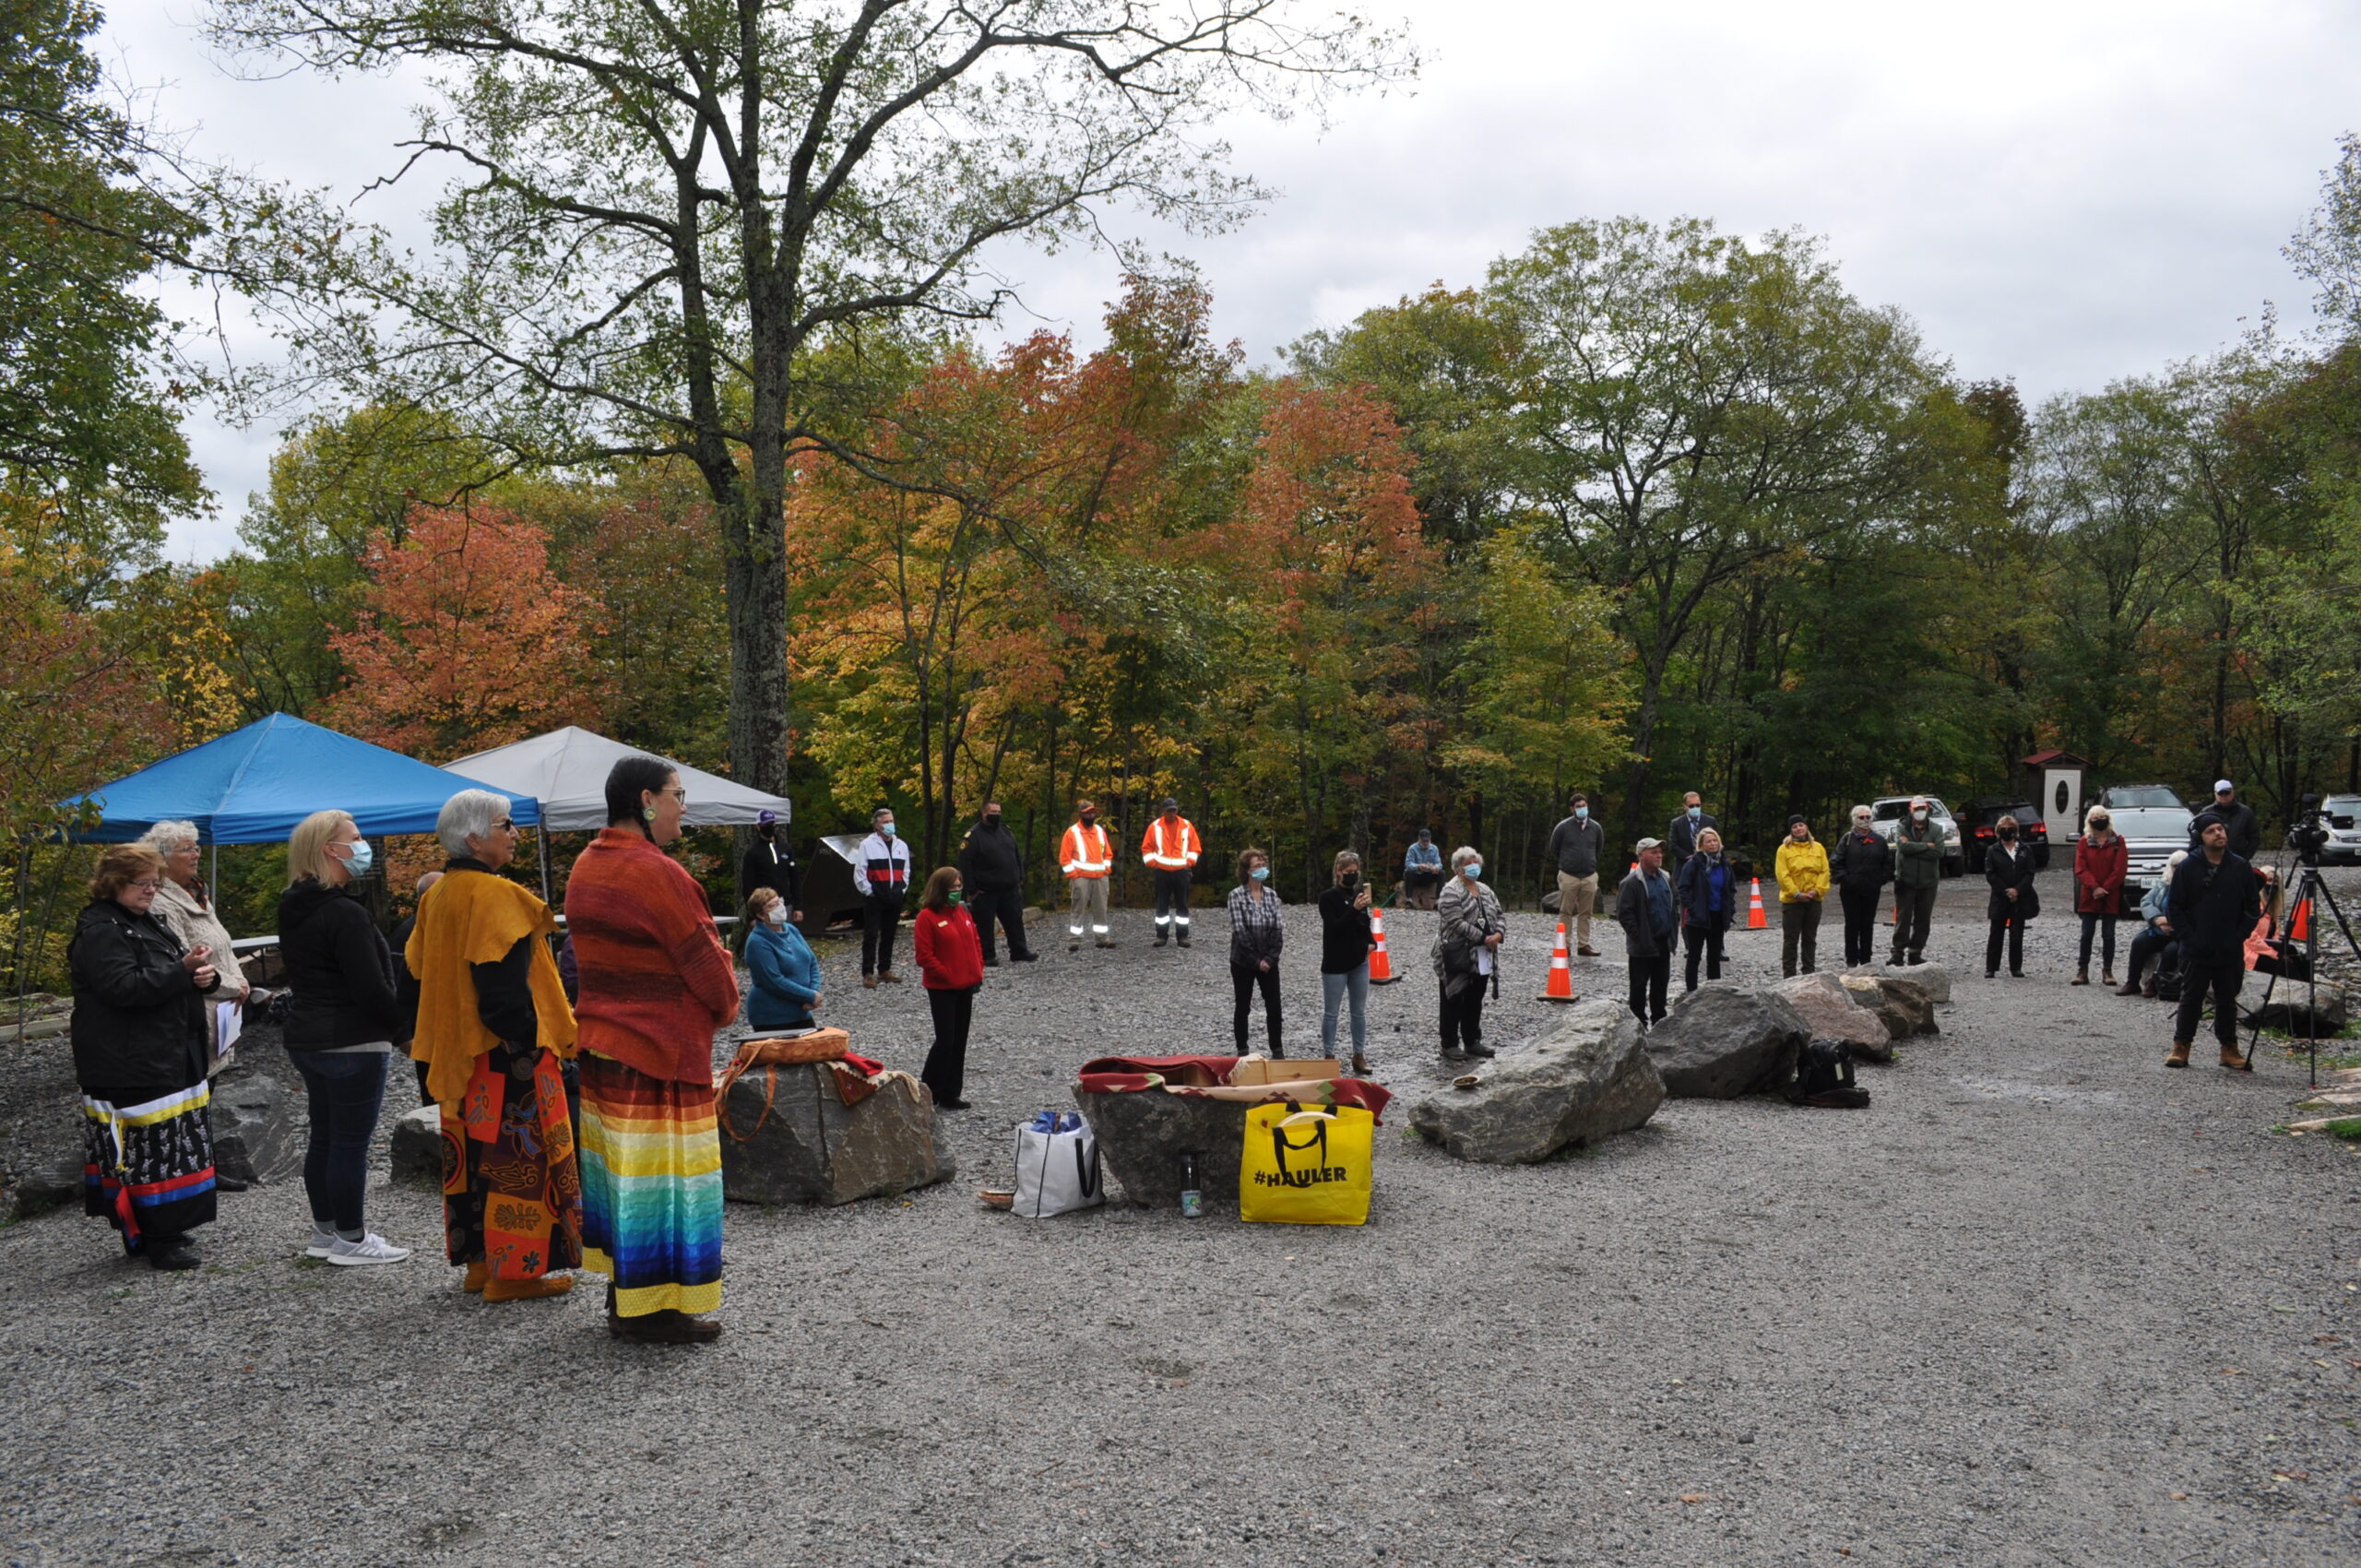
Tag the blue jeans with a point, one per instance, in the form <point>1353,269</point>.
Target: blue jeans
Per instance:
<point>1334,989</point>
<point>346,1090</point>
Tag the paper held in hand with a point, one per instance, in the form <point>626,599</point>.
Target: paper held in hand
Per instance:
<point>232,1017</point>
<point>1483,960</point>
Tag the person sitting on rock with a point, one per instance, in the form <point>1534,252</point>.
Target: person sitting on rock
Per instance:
<point>784,971</point>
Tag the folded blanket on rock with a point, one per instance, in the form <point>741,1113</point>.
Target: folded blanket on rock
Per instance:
<point>1204,1077</point>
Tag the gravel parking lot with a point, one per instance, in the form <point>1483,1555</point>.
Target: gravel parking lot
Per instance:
<point>2044,1303</point>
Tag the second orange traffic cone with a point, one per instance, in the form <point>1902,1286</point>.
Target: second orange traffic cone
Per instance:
<point>1561,971</point>
<point>2299,924</point>
<point>1755,918</point>
<point>1380,965</point>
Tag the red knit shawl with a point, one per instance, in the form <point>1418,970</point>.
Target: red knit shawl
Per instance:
<point>655,981</point>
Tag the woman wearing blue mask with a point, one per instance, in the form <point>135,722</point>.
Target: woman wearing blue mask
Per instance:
<point>342,1014</point>
<point>1468,928</point>
<point>1255,937</point>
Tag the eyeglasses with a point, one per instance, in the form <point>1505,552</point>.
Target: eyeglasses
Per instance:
<point>144,887</point>
<point>677,793</point>
<point>503,826</point>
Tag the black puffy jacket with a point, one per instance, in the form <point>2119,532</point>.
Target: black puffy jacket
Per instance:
<point>138,1017</point>
<point>990,859</point>
<point>339,971</point>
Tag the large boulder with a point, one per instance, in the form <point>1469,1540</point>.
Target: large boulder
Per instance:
<point>1900,1002</point>
<point>1586,1078</point>
<point>787,1137</point>
<point>2305,1009</point>
<point>1719,1043</point>
<point>1935,978</point>
<point>258,1133</point>
<point>1830,1011</point>
<point>1142,1134</point>
<point>418,1148</point>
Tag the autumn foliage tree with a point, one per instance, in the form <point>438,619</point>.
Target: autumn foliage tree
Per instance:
<point>466,638</point>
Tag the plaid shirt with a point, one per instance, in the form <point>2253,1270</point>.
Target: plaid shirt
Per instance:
<point>1255,933</point>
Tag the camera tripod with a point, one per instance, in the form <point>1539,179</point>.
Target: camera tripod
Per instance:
<point>2309,885</point>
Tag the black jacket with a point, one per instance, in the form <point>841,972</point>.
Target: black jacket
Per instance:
<point>1695,895</point>
<point>138,1017</point>
<point>1680,838</point>
<point>339,971</point>
<point>1860,863</point>
<point>771,863</point>
<point>2213,908</point>
<point>2005,870</point>
<point>1344,939</point>
<point>990,861</point>
<point>1634,913</point>
<point>405,983</point>
<point>2246,830</point>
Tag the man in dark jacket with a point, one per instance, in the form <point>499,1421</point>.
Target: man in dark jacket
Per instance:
<point>2215,902</point>
<point>770,863</point>
<point>1917,874</point>
<point>1680,839</point>
<point>1575,845</point>
<point>2244,827</point>
<point>1643,909</point>
<point>991,867</point>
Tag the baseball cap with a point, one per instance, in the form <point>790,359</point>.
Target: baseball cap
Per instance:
<point>1647,844</point>
<point>2222,784</point>
<point>765,818</point>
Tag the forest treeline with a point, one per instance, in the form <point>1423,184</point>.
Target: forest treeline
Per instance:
<point>1647,508</point>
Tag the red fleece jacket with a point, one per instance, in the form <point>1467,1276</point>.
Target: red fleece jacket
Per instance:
<point>951,956</point>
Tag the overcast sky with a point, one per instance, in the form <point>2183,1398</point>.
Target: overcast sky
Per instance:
<point>2065,191</point>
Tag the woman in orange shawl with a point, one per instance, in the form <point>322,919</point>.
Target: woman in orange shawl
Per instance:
<point>493,1024</point>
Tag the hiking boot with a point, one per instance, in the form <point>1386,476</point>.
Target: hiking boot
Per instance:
<point>1076,946</point>
<point>2107,977</point>
<point>1360,1066</point>
<point>2131,990</point>
<point>869,982</point>
<point>2235,1060</point>
<point>887,977</point>
<point>2081,977</point>
<point>1184,939</point>
<point>1028,956</point>
<point>2179,1058</point>
<point>1104,942</point>
<point>1481,1051</point>
<point>1161,938</point>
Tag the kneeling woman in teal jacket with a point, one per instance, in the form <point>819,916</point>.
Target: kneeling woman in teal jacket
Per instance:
<point>786,970</point>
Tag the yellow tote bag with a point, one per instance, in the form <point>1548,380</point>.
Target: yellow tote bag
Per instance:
<point>1306,1165</point>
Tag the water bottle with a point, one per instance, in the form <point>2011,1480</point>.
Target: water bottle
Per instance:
<point>1192,1202</point>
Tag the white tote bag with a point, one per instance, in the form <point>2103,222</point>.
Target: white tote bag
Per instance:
<point>1057,1165</point>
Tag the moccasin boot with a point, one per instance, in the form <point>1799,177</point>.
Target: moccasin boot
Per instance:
<point>2179,1058</point>
<point>527,1290</point>
<point>478,1275</point>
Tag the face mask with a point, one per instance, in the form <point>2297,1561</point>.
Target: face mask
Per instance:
<point>1919,816</point>
<point>1090,819</point>
<point>361,859</point>
<point>1260,874</point>
<point>2008,833</point>
<point>957,897</point>
<point>992,819</point>
<point>886,830</point>
<point>1350,880</point>
<point>775,914</point>
<point>1473,871</point>
<point>1696,812</point>
<point>1582,813</point>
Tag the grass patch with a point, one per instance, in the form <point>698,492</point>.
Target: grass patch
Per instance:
<point>2348,1128</point>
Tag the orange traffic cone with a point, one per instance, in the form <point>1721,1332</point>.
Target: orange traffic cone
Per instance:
<point>1380,965</point>
<point>2299,924</point>
<point>1755,918</point>
<point>1561,971</point>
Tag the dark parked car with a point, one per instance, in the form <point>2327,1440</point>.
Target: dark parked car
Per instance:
<point>1976,823</point>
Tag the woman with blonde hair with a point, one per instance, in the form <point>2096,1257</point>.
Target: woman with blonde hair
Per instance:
<point>185,906</point>
<point>139,1055</point>
<point>343,1014</point>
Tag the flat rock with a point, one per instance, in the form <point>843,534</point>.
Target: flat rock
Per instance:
<point>1719,1043</point>
<point>787,1138</point>
<point>1143,1134</point>
<point>1829,1010</point>
<point>418,1148</point>
<point>1934,978</point>
<point>1586,1079</point>
<point>258,1131</point>
<point>2306,1009</point>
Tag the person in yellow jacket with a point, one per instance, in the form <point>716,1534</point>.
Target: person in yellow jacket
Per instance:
<point>1087,857</point>
<point>1170,848</point>
<point>1802,870</point>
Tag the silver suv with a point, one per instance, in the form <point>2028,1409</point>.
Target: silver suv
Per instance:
<point>1890,810</point>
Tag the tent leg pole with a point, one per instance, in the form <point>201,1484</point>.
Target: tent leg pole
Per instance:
<point>542,837</point>
<point>213,871</point>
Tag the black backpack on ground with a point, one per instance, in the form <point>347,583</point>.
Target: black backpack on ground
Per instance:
<point>1824,1076</point>
<point>2168,985</point>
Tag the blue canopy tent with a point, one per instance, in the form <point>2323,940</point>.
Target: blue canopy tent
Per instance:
<point>251,786</point>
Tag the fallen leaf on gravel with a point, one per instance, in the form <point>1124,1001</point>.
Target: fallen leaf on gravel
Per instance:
<point>2234,1372</point>
<point>2317,1339</point>
<point>1693,1496</point>
<point>2290,1475</point>
<point>2180,1497</point>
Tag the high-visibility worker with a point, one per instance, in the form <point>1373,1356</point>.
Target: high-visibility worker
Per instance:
<point>1170,848</point>
<point>1087,857</point>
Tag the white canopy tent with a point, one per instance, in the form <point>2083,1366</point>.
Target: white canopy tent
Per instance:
<point>566,771</point>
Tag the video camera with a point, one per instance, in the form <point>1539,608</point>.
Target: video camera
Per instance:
<point>2307,835</point>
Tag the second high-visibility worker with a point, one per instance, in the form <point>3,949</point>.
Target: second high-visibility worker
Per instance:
<point>1170,848</point>
<point>1086,857</point>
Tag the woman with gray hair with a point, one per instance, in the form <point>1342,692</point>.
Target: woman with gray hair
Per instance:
<point>185,906</point>
<point>1860,865</point>
<point>1470,927</point>
<point>1345,943</point>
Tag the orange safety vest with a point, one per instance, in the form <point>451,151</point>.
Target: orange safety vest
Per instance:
<point>1177,850</point>
<point>1087,853</point>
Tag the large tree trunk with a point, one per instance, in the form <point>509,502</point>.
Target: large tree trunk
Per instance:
<point>755,577</point>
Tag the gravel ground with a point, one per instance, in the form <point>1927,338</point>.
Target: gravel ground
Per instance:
<point>2044,1303</point>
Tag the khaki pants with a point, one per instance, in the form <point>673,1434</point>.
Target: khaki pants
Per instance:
<point>1576,896</point>
<point>1089,898</point>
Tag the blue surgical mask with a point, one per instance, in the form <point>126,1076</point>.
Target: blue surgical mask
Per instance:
<point>885,829</point>
<point>1260,874</point>
<point>1696,812</point>
<point>361,859</point>
<point>1473,871</point>
<point>1582,813</point>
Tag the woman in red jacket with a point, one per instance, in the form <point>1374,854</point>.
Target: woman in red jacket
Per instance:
<point>2100,860</point>
<point>951,963</point>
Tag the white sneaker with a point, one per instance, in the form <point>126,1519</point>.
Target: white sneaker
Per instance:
<point>321,1242</point>
<point>371,1248</point>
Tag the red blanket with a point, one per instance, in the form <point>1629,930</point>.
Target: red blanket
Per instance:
<point>1181,1075</point>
